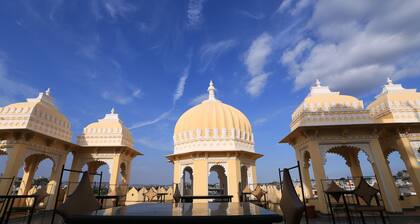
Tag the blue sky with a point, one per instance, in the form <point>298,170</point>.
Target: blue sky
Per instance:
<point>152,60</point>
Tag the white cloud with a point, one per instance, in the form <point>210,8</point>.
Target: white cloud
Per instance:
<point>11,91</point>
<point>181,85</point>
<point>198,99</point>
<point>153,144</point>
<point>255,60</point>
<point>121,98</point>
<point>194,12</point>
<point>359,45</point>
<point>113,8</point>
<point>179,92</point>
<point>293,8</point>
<point>211,51</point>
<point>256,16</point>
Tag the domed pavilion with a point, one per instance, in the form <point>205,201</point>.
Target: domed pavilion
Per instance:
<point>329,122</point>
<point>213,136</point>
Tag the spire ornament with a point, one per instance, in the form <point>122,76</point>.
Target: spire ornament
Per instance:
<point>211,91</point>
<point>317,83</point>
<point>389,81</point>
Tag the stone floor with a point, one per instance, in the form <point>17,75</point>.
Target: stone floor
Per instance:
<point>407,217</point>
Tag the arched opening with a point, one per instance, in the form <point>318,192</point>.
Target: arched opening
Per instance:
<point>187,181</point>
<point>217,182</point>
<point>98,167</point>
<point>401,176</point>
<point>365,164</point>
<point>36,179</point>
<point>3,162</point>
<point>244,177</point>
<point>335,166</point>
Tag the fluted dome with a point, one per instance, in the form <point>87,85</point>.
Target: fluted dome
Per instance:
<point>212,121</point>
<point>109,131</point>
<point>324,107</point>
<point>38,114</point>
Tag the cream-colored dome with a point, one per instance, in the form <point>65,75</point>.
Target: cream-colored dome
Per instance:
<point>38,114</point>
<point>323,107</point>
<point>109,131</point>
<point>212,120</point>
<point>396,104</point>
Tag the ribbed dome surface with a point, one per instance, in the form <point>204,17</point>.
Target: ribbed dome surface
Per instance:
<point>213,126</point>
<point>213,114</point>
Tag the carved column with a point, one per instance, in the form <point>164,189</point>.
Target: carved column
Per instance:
<point>411,163</point>
<point>386,183</point>
<point>54,180</point>
<point>306,178</point>
<point>14,162</point>
<point>115,170</point>
<point>28,175</point>
<point>319,173</point>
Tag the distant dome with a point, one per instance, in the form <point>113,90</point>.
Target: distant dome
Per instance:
<point>108,131</point>
<point>36,114</point>
<point>212,120</point>
<point>396,104</point>
<point>323,107</point>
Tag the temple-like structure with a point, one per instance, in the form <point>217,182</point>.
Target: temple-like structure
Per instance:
<point>35,130</point>
<point>214,136</point>
<point>329,122</point>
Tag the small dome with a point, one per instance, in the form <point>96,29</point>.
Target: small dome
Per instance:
<point>38,114</point>
<point>108,131</point>
<point>212,120</point>
<point>321,104</point>
<point>396,104</point>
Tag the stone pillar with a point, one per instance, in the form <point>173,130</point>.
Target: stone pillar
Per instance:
<point>319,173</point>
<point>411,164</point>
<point>254,175</point>
<point>306,178</point>
<point>74,176</point>
<point>386,183</point>
<point>28,175</point>
<point>114,170</point>
<point>234,178</point>
<point>353,163</point>
<point>201,178</point>
<point>52,188</point>
<point>15,158</point>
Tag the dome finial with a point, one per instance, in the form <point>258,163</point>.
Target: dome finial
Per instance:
<point>389,81</point>
<point>211,91</point>
<point>112,110</point>
<point>48,91</point>
<point>317,83</point>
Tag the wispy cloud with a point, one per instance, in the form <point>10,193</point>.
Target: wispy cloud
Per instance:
<point>178,93</point>
<point>194,13</point>
<point>293,8</point>
<point>12,91</point>
<point>153,144</point>
<point>256,16</point>
<point>181,85</point>
<point>90,47</point>
<point>198,99</point>
<point>255,61</point>
<point>211,51</point>
<point>121,98</point>
<point>113,8</point>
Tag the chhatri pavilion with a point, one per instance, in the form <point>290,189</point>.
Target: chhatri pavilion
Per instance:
<point>214,136</point>
<point>35,130</point>
<point>329,122</point>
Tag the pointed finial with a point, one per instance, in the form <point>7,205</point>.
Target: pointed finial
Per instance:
<point>317,83</point>
<point>48,92</point>
<point>389,81</point>
<point>112,110</point>
<point>211,91</point>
